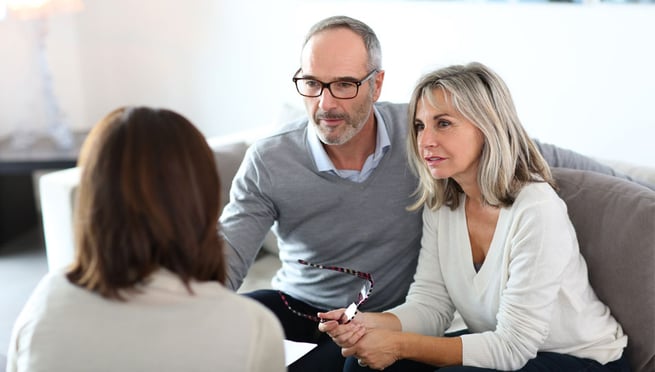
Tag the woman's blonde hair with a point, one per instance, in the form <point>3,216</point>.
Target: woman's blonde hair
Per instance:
<point>509,158</point>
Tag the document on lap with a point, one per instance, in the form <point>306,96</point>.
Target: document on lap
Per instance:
<point>294,350</point>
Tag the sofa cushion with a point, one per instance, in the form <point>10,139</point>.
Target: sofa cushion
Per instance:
<point>228,158</point>
<point>614,220</point>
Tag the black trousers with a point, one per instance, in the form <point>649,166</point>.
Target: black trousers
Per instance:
<point>543,362</point>
<point>326,357</point>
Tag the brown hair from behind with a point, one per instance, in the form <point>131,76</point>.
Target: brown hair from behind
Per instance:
<point>148,199</point>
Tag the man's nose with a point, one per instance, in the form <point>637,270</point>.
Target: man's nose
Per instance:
<point>327,100</point>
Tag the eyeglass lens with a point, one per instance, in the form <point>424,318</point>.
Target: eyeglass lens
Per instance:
<point>338,89</point>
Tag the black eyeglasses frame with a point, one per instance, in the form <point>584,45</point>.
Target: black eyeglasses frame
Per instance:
<point>324,85</point>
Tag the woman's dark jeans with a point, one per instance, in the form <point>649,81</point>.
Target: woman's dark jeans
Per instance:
<point>544,362</point>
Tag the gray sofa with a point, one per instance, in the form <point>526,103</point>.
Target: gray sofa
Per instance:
<point>615,224</point>
<point>614,220</point>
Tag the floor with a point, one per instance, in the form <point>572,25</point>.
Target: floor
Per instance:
<point>22,264</point>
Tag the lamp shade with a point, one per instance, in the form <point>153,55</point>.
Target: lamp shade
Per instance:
<point>31,9</point>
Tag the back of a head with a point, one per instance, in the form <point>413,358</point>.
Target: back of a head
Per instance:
<point>148,199</point>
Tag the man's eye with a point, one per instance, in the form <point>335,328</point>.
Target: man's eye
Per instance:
<point>311,83</point>
<point>344,84</point>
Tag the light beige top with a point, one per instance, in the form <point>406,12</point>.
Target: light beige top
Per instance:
<point>164,328</point>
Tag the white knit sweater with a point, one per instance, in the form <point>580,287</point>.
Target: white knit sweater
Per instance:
<point>531,294</point>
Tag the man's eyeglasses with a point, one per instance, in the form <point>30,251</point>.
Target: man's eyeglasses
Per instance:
<point>342,89</point>
<point>351,310</point>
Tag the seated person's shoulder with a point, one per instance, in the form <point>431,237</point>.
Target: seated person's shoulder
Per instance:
<point>537,195</point>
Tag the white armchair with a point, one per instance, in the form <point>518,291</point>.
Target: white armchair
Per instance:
<point>57,192</point>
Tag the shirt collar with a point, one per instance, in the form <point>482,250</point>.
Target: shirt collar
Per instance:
<point>321,158</point>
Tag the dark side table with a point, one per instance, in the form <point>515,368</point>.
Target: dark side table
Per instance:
<point>18,209</point>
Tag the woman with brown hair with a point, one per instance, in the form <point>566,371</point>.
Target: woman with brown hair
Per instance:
<point>145,292</point>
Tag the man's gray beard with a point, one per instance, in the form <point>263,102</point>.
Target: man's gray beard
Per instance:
<point>351,131</point>
<point>344,138</point>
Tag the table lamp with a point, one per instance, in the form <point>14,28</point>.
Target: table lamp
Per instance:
<point>38,11</point>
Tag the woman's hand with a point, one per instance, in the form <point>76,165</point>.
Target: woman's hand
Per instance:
<point>373,338</point>
<point>344,333</point>
<point>377,349</point>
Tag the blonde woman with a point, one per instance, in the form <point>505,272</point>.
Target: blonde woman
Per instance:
<point>497,246</point>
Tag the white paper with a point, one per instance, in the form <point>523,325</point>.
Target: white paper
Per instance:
<point>294,350</point>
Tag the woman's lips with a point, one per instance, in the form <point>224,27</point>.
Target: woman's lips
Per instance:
<point>433,160</point>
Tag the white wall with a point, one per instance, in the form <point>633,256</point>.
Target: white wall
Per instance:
<point>582,75</point>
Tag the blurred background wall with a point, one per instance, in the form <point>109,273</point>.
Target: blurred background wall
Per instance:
<point>582,75</point>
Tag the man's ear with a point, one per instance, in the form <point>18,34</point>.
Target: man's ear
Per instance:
<point>379,79</point>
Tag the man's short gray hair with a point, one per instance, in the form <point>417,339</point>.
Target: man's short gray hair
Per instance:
<point>360,28</point>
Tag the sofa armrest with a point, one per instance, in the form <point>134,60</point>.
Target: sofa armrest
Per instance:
<point>57,194</point>
<point>638,172</point>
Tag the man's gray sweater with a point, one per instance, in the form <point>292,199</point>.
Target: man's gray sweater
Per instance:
<point>325,219</point>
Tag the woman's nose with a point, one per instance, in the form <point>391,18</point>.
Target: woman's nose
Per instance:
<point>426,138</point>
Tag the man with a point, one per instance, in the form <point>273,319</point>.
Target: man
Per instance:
<point>335,187</point>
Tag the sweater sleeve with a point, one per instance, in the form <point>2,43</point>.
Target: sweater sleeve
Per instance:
<point>247,217</point>
<point>541,246</point>
<point>428,308</point>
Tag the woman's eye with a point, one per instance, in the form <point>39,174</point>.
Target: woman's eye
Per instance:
<point>443,123</point>
<point>419,126</point>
